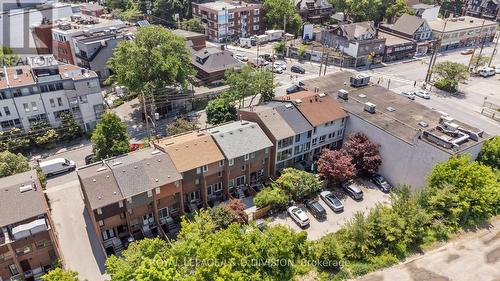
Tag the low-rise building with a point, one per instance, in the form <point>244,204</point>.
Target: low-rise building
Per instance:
<point>211,64</point>
<point>132,196</point>
<point>358,40</point>
<point>33,93</point>
<point>314,11</point>
<point>462,31</point>
<point>199,160</point>
<point>229,20</point>
<point>412,28</point>
<point>93,9</point>
<point>397,47</point>
<point>413,138</point>
<point>426,11</point>
<point>194,40</point>
<point>488,9</point>
<point>288,130</point>
<point>247,150</point>
<point>28,245</point>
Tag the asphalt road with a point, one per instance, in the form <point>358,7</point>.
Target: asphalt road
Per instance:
<point>473,256</point>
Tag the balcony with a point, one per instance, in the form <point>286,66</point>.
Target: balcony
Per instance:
<point>29,229</point>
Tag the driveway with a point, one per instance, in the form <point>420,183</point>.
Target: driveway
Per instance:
<point>473,256</point>
<point>334,221</point>
<point>79,243</point>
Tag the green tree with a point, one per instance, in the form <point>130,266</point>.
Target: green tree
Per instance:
<point>220,110</point>
<point>181,125</point>
<point>110,137</point>
<point>165,11</point>
<point>301,51</point>
<point>451,73</point>
<point>154,60</point>
<point>194,25</point>
<point>69,129</point>
<point>43,135</point>
<point>394,9</point>
<point>221,216</point>
<point>298,183</point>
<point>328,252</point>
<point>475,186</point>
<point>479,60</point>
<point>59,274</point>
<point>279,47</point>
<point>11,163</point>
<point>271,196</point>
<point>277,11</point>
<point>357,242</point>
<point>7,56</point>
<point>371,10</point>
<point>14,140</point>
<point>490,153</point>
<point>249,82</point>
<point>157,269</point>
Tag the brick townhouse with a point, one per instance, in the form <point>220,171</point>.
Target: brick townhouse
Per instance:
<point>131,196</point>
<point>28,246</point>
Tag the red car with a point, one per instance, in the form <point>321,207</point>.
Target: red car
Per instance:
<point>134,146</point>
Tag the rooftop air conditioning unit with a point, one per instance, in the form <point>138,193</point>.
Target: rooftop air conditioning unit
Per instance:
<point>370,107</point>
<point>343,94</point>
<point>360,80</point>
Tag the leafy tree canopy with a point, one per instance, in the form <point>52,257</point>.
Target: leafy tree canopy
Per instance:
<point>452,72</point>
<point>271,196</point>
<point>110,137</point>
<point>59,274</point>
<point>220,110</point>
<point>298,183</point>
<point>336,166</point>
<point>279,10</point>
<point>490,153</point>
<point>11,163</point>
<point>249,82</point>
<point>365,153</point>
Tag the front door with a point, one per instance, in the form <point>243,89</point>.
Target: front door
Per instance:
<point>25,265</point>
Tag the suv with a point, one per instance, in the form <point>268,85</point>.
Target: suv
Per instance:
<point>353,190</point>
<point>298,69</point>
<point>381,183</point>
<point>316,209</point>
<point>298,216</point>
<point>332,201</point>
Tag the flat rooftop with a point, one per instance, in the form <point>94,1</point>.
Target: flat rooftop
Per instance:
<point>393,40</point>
<point>219,5</point>
<point>395,114</point>
<point>103,35</point>
<point>77,24</point>
<point>460,23</point>
<point>186,34</point>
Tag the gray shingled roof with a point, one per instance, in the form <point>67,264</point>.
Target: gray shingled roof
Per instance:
<point>239,138</point>
<point>99,184</point>
<point>214,59</point>
<point>16,206</point>
<point>282,119</point>
<point>408,24</point>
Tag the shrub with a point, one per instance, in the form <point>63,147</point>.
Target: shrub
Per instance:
<point>272,196</point>
<point>445,85</point>
<point>118,102</point>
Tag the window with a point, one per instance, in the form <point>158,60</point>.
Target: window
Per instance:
<point>218,186</point>
<point>99,211</point>
<point>82,99</point>
<point>307,146</point>
<point>231,162</point>
<point>43,243</point>
<point>247,156</point>
<point>285,154</point>
<point>243,168</point>
<point>101,223</point>
<point>195,195</point>
<point>322,139</point>
<point>252,155</point>
<point>23,251</point>
<point>13,270</point>
<point>266,150</point>
<point>148,219</point>
<point>59,102</point>
<point>231,183</point>
<point>150,193</point>
<point>164,213</point>
<point>256,11</point>
<point>297,138</point>
<point>256,19</point>
<point>108,234</point>
<point>197,181</point>
<point>26,107</point>
<point>309,134</point>
<point>255,27</point>
<point>205,168</point>
<point>230,16</point>
<point>52,103</point>
<point>198,170</point>
<point>298,149</point>
<point>315,141</point>
<point>219,174</point>
<point>33,105</point>
<point>285,142</point>
<point>240,181</point>
<point>210,190</point>
<point>340,132</point>
<point>221,163</point>
<point>314,130</point>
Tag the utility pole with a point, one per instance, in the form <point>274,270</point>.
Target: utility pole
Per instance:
<point>482,44</point>
<point>475,47</point>
<point>433,59</point>
<point>494,50</point>
<point>146,116</point>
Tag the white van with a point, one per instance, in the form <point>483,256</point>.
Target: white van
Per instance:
<point>56,166</point>
<point>487,72</point>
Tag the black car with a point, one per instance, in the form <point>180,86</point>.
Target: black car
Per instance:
<point>89,159</point>
<point>267,57</point>
<point>292,89</point>
<point>381,183</point>
<point>316,209</point>
<point>297,69</point>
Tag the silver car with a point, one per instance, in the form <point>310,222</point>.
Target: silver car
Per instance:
<point>332,201</point>
<point>353,190</point>
<point>422,93</point>
<point>409,95</point>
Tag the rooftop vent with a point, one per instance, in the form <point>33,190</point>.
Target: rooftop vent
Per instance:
<point>154,152</point>
<point>362,96</point>
<point>359,80</point>
<point>390,109</point>
<point>423,124</point>
<point>299,101</point>
<point>370,107</point>
<point>288,105</point>
<point>343,94</point>
<point>101,169</point>
<point>25,188</point>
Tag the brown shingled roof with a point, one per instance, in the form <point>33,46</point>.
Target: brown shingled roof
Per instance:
<point>317,108</point>
<point>190,151</point>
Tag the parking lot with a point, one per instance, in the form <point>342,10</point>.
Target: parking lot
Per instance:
<point>334,221</point>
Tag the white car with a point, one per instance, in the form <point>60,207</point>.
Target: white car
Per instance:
<point>497,69</point>
<point>277,69</point>
<point>281,64</point>
<point>299,216</point>
<point>409,95</point>
<point>240,57</point>
<point>422,93</point>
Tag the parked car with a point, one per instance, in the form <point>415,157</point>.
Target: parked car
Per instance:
<point>134,146</point>
<point>281,64</point>
<point>409,95</point>
<point>299,216</point>
<point>268,57</point>
<point>57,166</point>
<point>292,89</point>
<point>353,190</point>
<point>486,72</point>
<point>316,209</point>
<point>422,93</point>
<point>467,52</point>
<point>332,201</point>
<point>298,69</point>
<point>277,69</point>
<point>497,69</point>
<point>241,57</point>
<point>381,183</point>
<point>89,159</point>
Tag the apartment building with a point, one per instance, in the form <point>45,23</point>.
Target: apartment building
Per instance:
<point>326,117</point>
<point>230,20</point>
<point>28,245</point>
<point>247,150</point>
<point>288,130</point>
<point>33,93</point>
<point>199,160</point>
<point>462,31</point>
<point>314,11</point>
<point>64,32</point>
<point>413,138</point>
<point>488,9</point>
<point>132,196</point>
